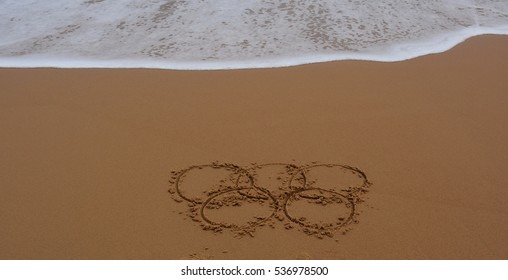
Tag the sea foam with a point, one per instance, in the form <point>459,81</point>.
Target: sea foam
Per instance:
<point>232,34</point>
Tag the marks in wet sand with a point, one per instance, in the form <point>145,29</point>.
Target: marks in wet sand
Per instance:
<point>318,199</point>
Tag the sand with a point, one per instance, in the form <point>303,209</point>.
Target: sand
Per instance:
<point>87,157</point>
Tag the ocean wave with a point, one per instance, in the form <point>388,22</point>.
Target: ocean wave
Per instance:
<point>226,34</point>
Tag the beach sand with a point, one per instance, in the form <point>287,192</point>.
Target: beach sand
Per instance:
<point>86,156</point>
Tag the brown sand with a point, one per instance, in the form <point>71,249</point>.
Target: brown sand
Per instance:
<point>86,155</point>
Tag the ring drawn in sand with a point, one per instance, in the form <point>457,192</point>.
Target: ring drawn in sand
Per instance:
<point>242,196</point>
<point>319,199</point>
<point>322,198</point>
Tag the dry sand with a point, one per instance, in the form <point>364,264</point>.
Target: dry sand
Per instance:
<point>86,155</point>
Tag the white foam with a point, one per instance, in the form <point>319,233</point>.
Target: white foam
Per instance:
<point>226,34</point>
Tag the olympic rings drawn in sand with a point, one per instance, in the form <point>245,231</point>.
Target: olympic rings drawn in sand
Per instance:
<point>234,194</point>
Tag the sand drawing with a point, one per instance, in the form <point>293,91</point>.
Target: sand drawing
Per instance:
<point>318,199</point>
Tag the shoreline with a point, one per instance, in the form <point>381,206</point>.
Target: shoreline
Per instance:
<point>87,155</point>
<point>397,53</point>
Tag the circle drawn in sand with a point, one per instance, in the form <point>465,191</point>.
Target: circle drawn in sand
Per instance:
<point>236,198</point>
<point>319,197</point>
<point>304,172</point>
<point>281,187</point>
<point>234,171</point>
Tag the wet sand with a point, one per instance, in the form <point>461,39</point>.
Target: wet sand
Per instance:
<point>87,157</point>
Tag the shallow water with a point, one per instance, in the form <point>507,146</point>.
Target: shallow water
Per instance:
<point>220,34</point>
